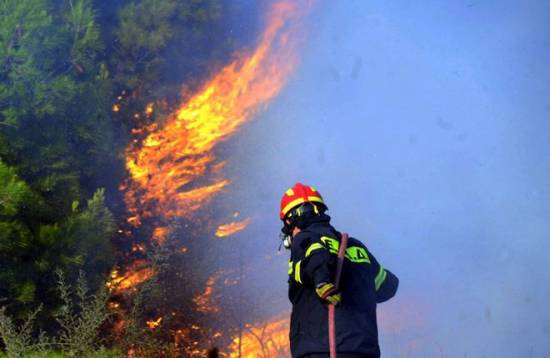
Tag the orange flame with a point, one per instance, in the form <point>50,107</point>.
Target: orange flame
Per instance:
<point>232,228</point>
<point>149,108</point>
<point>170,169</point>
<point>152,324</point>
<point>265,341</point>
<point>135,275</point>
<point>138,248</point>
<point>160,234</point>
<point>204,301</point>
<point>132,279</point>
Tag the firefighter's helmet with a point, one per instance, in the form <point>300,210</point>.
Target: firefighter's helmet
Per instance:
<point>298,195</point>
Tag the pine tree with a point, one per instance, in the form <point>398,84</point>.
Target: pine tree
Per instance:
<point>31,250</point>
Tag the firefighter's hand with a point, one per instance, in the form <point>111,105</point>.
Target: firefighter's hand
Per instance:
<point>329,293</point>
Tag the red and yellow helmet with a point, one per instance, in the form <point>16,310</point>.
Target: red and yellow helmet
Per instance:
<point>297,195</point>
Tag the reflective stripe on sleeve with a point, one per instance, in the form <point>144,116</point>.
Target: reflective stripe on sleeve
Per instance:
<point>380,278</point>
<point>290,268</point>
<point>313,247</point>
<point>297,271</point>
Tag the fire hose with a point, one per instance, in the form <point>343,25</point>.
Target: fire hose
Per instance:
<point>331,321</point>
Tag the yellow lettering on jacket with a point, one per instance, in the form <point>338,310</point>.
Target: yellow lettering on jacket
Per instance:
<point>353,253</point>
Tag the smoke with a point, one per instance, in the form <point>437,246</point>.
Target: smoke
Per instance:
<point>425,129</point>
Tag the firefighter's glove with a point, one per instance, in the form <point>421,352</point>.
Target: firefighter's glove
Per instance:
<point>328,293</point>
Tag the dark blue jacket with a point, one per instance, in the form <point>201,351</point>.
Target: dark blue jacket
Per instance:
<point>363,284</point>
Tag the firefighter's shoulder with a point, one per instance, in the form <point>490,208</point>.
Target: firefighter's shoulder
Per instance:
<point>305,238</point>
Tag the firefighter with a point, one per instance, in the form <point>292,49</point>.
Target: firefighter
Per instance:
<point>314,245</point>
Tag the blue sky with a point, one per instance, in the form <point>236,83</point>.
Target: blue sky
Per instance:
<point>426,126</point>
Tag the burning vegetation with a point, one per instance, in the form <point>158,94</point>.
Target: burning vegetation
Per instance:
<point>176,170</point>
<point>232,228</point>
<point>263,341</point>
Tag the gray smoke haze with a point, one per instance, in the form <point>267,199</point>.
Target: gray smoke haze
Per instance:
<point>426,126</point>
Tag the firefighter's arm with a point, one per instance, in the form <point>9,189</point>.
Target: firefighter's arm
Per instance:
<point>385,282</point>
<point>315,269</point>
<point>312,262</point>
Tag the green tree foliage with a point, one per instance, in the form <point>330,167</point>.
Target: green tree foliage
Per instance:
<point>31,250</point>
<point>146,31</point>
<point>54,109</point>
<point>55,141</point>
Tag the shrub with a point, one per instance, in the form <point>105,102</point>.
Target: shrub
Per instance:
<point>79,317</point>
